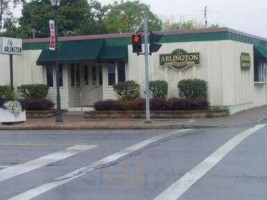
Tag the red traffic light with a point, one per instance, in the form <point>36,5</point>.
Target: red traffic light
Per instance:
<point>137,39</point>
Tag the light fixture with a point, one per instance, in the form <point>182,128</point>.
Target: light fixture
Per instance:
<point>55,3</point>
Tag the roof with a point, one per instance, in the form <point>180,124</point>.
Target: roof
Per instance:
<point>122,39</point>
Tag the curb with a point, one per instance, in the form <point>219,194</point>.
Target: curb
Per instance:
<point>151,126</point>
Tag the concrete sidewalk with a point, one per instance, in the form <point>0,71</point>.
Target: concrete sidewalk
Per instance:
<point>74,120</point>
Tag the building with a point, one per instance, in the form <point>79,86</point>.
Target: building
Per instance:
<point>233,64</point>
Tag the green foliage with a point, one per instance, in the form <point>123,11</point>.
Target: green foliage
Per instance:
<point>158,89</point>
<point>127,16</point>
<point>34,91</point>
<point>127,90</point>
<point>75,17</point>
<point>171,24</point>
<point>7,92</point>
<point>193,88</point>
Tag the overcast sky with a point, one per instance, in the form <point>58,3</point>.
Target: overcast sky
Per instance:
<point>249,16</point>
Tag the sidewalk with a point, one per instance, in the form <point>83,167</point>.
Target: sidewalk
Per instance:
<point>74,120</point>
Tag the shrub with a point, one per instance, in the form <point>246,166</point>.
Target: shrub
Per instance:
<point>7,92</point>
<point>24,103</point>
<point>159,104</point>
<point>127,90</point>
<point>135,104</point>
<point>158,89</point>
<point>40,104</point>
<point>193,89</point>
<point>34,91</point>
<point>107,105</point>
<point>2,101</point>
<point>187,104</point>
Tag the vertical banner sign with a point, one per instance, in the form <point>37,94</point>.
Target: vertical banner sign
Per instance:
<point>52,45</point>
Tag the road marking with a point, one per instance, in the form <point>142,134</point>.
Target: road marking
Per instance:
<point>176,190</point>
<point>108,161</point>
<point>19,169</point>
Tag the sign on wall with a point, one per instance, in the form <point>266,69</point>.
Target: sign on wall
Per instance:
<point>245,61</point>
<point>11,46</point>
<point>179,59</point>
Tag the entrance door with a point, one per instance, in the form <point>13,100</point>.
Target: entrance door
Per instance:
<point>92,90</point>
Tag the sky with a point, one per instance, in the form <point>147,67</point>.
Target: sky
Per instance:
<point>249,16</point>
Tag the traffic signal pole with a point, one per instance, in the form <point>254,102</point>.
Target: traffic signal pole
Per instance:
<point>148,120</point>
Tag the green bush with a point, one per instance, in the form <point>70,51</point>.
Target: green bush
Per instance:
<point>158,89</point>
<point>34,91</point>
<point>127,90</point>
<point>193,89</point>
<point>7,92</point>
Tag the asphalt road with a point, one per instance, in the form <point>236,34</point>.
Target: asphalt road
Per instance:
<point>200,164</point>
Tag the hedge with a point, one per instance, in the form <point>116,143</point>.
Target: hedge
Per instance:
<point>193,89</point>
<point>158,89</point>
<point>155,104</point>
<point>34,91</point>
<point>127,90</point>
<point>7,92</point>
<point>40,104</point>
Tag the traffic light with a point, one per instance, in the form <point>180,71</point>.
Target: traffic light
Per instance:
<point>137,43</point>
<point>154,45</point>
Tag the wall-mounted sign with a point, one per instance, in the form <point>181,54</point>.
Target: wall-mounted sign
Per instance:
<point>179,59</point>
<point>52,45</point>
<point>245,61</point>
<point>11,46</point>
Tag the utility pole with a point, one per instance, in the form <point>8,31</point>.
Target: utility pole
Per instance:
<point>147,70</point>
<point>206,16</point>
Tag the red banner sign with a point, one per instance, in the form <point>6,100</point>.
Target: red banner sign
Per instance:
<point>52,45</point>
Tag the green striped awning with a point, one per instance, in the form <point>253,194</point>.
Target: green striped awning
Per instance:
<point>88,50</point>
<point>260,52</point>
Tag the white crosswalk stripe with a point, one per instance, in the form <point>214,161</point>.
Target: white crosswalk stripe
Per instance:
<point>176,190</point>
<point>19,169</point>
<point>110,160</point>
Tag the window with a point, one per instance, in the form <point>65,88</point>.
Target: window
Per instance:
<point>94,74</point>
<point>100,75</point>
<point>78,75</point>
<point>111,74</point>
<point>260,71</point>
<point>121,72</point>
<point>85,75</point>
<point>60,76</point>
<point>49,76</point>
<point>72,75</point>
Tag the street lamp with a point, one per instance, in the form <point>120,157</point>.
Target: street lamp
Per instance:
<point>55,4</point>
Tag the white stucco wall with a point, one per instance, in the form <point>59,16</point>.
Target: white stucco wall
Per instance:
<point>64,91</point>
<point>25,69</point>
<point>228,85</point>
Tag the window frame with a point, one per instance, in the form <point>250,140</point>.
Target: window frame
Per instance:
<point>111,73</point>
<point>51,69</point>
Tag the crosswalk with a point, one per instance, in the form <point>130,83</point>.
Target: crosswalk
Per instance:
<point>13,171</point>
<point>174,192</point>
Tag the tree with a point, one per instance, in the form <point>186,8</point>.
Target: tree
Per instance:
<point>5,10</point>
<point>127,17</point>
<point>190,24</point>
<point>76,17</point>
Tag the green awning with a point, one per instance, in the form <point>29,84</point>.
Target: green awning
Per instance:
<point>113,53</point>
<point>87,50</point>
<point>260,53</point>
